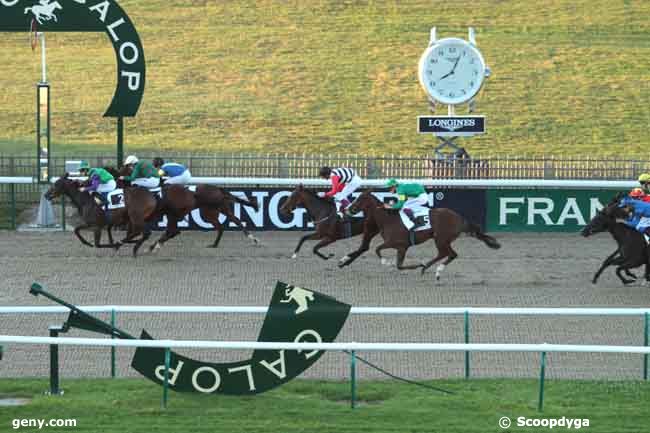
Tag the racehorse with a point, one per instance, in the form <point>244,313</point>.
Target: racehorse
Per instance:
<point>212,200</point>
<point>446,226</point>
<point>144,208</point>
<point>329,228</point>
<point>632,250</point>
<point>91,213</point>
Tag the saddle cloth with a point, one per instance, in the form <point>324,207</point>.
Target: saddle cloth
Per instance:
<point>421,215</point>
<point>115,199</point>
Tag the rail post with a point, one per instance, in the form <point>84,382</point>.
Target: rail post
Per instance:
<point>166,377</point>
<point>113,347</point>
<point>646,343</point>
<point>54,362</point>
<point>353,379</point>
<point>540,404</point>
<point>62,212</point>
<point>12,192</point>
<point>467,353</point>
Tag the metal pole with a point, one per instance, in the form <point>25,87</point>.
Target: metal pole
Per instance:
<point>467,342</point>
<point>120,141</point>
<point>113,347</point>
<point>12,189</point>
<point>43,61</point>
<point>646,343</point>
<point>353,380</point>
<point>62,212</point>
<point>540,405</point>
<point>166,377</point>
<point>54,362</point>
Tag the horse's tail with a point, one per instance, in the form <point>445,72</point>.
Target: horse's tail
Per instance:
<point>474,230</point>
<point>251,203</point>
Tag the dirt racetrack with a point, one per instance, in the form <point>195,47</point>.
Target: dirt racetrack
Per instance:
<point>530,270</point>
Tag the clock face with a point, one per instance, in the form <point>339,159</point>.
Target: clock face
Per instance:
<point>451,71</point>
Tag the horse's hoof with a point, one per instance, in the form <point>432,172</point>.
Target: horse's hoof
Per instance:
<point>294,255</point>
<point>330,255</point>
<point>423,270</point>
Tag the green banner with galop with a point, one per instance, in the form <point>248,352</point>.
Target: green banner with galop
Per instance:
<point>542,210</point>
<point>295,314</point>
<point>88,16</point>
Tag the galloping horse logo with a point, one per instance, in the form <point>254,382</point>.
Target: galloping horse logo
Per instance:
<point>45,11</point>
<point>299,296</point>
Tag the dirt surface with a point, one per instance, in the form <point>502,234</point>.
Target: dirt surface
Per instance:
<point>530,270</point>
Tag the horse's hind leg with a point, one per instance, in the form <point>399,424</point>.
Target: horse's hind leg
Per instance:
<point>621,277</point>
<point>401,255</point>
<point>231,216</point>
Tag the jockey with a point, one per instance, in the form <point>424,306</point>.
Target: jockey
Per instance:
<point>644,180</point>
<point>640,217</point>
<point>143,173</point>
<point>344,182</point>
<point>175,174</point>
<point>411,196</point>
<point>100,182</point>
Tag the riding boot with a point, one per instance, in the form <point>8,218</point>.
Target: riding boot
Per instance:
<point>409,213</point>
<point>343,208</point>
<point>99,199</point>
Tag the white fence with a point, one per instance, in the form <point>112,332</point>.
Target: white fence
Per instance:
<point>350,347</point>
<point>459,183</point>
<point>354,310</point>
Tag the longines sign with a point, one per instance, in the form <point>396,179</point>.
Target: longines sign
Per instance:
<point>88,16</point>
<point>451,126</point>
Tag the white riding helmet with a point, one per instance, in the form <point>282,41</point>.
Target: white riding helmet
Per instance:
<point>131,159</point>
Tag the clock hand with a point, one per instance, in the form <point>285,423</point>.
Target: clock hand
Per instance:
<point>452,70</point>
<point>455,64</point>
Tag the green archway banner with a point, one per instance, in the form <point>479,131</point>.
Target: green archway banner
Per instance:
<point>295,314</point>
<point>88,16</point>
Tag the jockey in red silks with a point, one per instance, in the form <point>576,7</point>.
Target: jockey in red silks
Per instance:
<point>344,182</point>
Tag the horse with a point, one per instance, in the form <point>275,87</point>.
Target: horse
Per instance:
<point>632,250</point>
<point>44,11</point>
<point>212,200</point>
<point>177,201</point>
<point>91,213</point>
<point>329,228</point>
<point>446,226</point>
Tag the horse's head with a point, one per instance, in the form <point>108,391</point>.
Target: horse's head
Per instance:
<point>295,199</point>
<point>59,187</point>
<point>606,217</point>
<point>364,202</point>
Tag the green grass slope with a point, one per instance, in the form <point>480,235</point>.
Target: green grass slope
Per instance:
<point>570,77</point>
<point>120,406</point>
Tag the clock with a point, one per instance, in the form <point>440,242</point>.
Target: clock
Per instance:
<point>452,70</point>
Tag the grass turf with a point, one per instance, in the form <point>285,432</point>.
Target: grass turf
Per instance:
<point>341,76</point>
<point>134,405</point>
